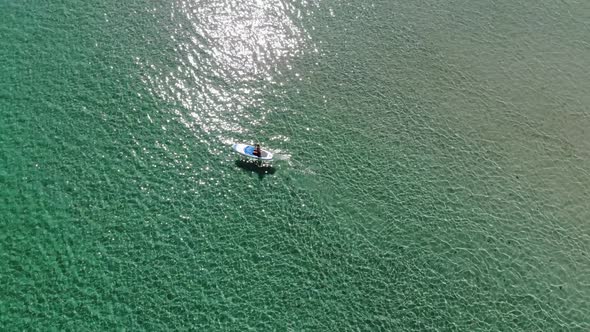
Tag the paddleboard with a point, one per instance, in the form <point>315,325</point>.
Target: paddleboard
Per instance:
<point>248,151</point>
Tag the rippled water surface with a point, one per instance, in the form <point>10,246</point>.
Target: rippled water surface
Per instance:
<point>432,166</point>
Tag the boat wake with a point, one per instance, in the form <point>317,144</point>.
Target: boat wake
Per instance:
<point>281,156</point>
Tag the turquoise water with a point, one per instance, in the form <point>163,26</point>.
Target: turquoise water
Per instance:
<point>433,168</point>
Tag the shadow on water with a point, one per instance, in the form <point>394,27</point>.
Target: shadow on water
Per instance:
<point>253,166</point>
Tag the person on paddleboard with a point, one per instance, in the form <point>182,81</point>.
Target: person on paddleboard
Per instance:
<point>257,151</point>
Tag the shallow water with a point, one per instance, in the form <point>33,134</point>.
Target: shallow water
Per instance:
<point>432,173</point>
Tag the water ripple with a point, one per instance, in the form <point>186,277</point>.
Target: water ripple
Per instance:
<point>228,55</point>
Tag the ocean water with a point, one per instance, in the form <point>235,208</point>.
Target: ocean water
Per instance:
<point>433,166</point>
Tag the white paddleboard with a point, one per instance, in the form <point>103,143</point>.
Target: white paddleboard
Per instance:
<point>248,151</point>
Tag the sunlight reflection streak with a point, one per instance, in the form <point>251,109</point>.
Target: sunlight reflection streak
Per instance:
<point>229,55</point>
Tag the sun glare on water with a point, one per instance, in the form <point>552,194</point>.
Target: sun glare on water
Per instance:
<point>228,55</point>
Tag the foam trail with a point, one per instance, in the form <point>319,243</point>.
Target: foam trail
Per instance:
<point>280,156</point>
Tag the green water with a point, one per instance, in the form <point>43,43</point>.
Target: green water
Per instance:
<point>433,173</point>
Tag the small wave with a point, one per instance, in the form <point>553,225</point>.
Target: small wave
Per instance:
<point>281,156</point>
